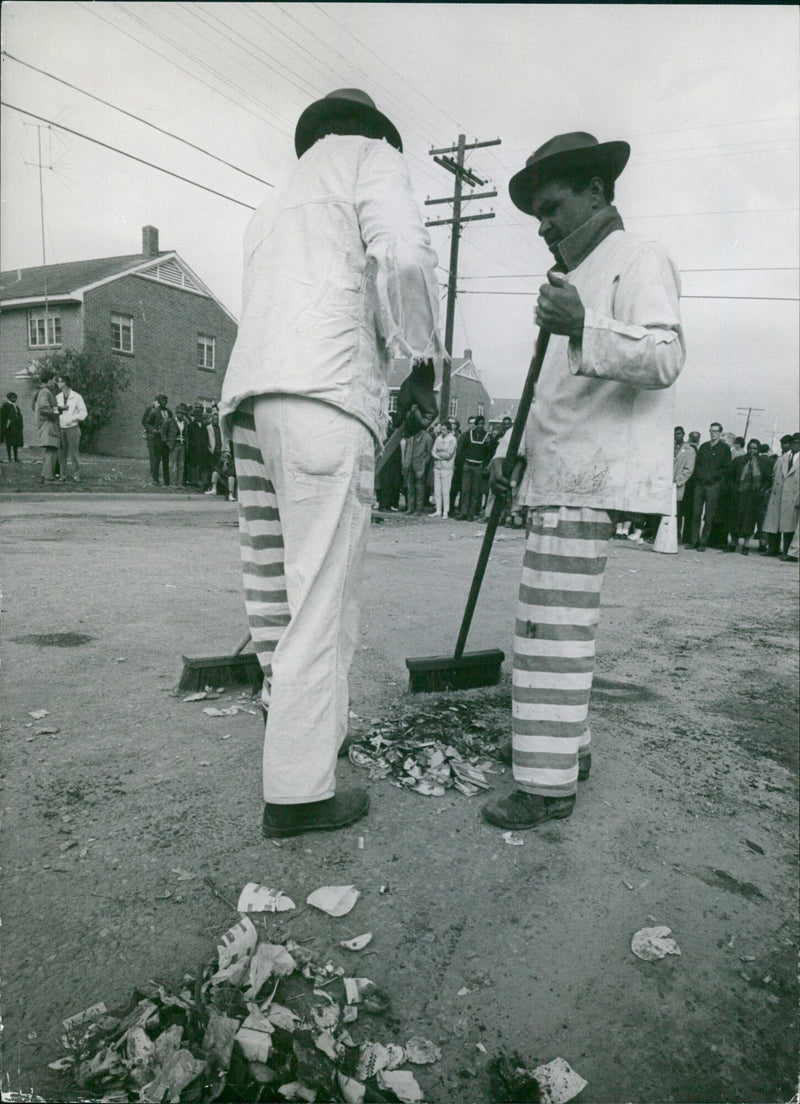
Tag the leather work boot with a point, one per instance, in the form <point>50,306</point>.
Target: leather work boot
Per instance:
<point>584,761</point>
<point>519,810</point>
<point>346,807</point>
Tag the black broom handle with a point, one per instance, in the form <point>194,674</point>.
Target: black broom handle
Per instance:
<point>508,467</point>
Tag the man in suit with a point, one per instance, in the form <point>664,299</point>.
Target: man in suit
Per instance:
<point>156,421</point>
<point>710,476</point>
<point>683,462</point>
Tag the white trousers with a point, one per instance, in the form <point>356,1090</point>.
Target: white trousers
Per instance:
<point>305,473</point>
<point>442,479</point>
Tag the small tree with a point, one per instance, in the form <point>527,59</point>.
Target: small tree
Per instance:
<point>99,377</point>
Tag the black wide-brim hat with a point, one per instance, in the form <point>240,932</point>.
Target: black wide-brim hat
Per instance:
<point>344,101</point>
<point>561,156</point>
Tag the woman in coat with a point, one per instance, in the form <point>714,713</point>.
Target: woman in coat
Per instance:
<point>48,436</point>
<point>11,426</point>
<point>781,506</point>
<point>749,478</point>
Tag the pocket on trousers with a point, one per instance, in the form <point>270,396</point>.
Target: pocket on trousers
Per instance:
<point>319,440</point>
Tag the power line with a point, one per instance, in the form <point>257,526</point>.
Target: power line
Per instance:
<point>138,118</point>
<point>541,275</point>
<point>170,61</point>
<point>124,153</point>
<point>760,298</point>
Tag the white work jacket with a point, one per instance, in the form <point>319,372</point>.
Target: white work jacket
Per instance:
<point>600,433</point>
<point>339,277</point>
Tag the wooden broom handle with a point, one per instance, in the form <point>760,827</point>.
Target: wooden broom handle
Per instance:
<point>510,460</point>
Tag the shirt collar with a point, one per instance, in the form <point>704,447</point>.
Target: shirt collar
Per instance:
<point>577,246</point>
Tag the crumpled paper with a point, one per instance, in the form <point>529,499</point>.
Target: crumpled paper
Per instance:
<point>651,944</point>
<point>335,900</point>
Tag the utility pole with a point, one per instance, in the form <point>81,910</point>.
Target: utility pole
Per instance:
<point>462,175</point>
<point>39,128</point>
<point>748,410</point>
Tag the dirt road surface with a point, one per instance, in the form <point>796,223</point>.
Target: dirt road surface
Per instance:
<point>689,818</point>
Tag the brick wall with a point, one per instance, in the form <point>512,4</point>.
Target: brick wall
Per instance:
<point>16,353</point>
<point>166,324</point>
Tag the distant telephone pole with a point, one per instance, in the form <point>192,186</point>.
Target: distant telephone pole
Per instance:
<point>748,410</point>
<point>463,176</point>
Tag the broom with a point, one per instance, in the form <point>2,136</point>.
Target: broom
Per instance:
<point>462,672</point>
<point>240,669</point>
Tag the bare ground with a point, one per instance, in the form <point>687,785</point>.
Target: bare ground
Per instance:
<point>692,802</point>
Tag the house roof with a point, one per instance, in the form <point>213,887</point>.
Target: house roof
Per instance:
<point>459,366</point>
<point>26,286</point>
<point>64,279</point>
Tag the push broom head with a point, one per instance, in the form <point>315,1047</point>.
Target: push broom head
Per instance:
<point>429,674</point>
<point>229,670</point>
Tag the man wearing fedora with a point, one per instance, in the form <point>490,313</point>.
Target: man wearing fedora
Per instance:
<point>598,441</point>
<point>339,277</point>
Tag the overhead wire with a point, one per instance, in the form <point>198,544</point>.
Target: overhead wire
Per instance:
<point>125,153</point>
<point>138,118</point>
<point>92,10</point>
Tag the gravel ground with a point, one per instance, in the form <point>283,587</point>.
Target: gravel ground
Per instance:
<point>689,818</point>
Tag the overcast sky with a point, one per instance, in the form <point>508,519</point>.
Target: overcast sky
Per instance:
<point>707,97</point>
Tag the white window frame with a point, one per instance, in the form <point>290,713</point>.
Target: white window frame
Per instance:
<point>122,322</point>
<point>481,411</point>
<point>393,402</point>
<point>50,332</point>
<point>453,408</point>
<point>204,343</point>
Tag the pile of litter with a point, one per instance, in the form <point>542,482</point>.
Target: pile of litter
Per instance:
<point>430,752</point>
<point>230,1035</point>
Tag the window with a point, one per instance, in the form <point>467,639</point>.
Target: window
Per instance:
<point>44,328</point>
<point>206,347</point>
<point>122,333</point>
<point>453,408</point>
<point>481,411</point>
<point>392,402</point>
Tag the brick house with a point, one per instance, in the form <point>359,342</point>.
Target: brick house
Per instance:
<point>468,396</point>
<point>149,308</point>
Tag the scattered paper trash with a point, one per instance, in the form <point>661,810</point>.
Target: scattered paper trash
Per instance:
<point>37,714</point>
<point>365,992</point>
<point>402,1083</point>
<point>558,1082</point>
<point>373,1057</point>
<point>255,1037</point>
<point>231,711</point>
<point>513,838</point>
<point>353,1092</point>
<point>357,943</point>
<point>651,944</point>
<point>335,900</point>
<point>46,730</point>
<point>258,898</point>
<point>421,1052</point>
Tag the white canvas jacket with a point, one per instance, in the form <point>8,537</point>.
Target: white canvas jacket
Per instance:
<point>339,277</point>
<point>600,433</point>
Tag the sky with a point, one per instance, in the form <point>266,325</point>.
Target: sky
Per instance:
<point>707,96</point>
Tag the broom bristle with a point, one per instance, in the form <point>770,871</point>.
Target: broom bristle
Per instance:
<point>431,674</point>
<point>240,670</point>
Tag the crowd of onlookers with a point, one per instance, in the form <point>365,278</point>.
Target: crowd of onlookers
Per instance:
<point>58,413</point>
<point>445,465</point>
<point>730,493</point>
<point>186,448</point>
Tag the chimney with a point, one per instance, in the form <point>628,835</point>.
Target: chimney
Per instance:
<point>150,241</point>
<point>468,354</point>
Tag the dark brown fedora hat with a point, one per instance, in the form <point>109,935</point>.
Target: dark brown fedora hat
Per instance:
<point>351,101</point>
<point>562,155</point>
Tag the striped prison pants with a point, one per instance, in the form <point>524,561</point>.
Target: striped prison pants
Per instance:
<point>554,643</point>
<point>305,474</point>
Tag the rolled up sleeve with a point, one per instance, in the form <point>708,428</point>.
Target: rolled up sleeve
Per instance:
<point>642,344</point>
<point>401,265</point>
